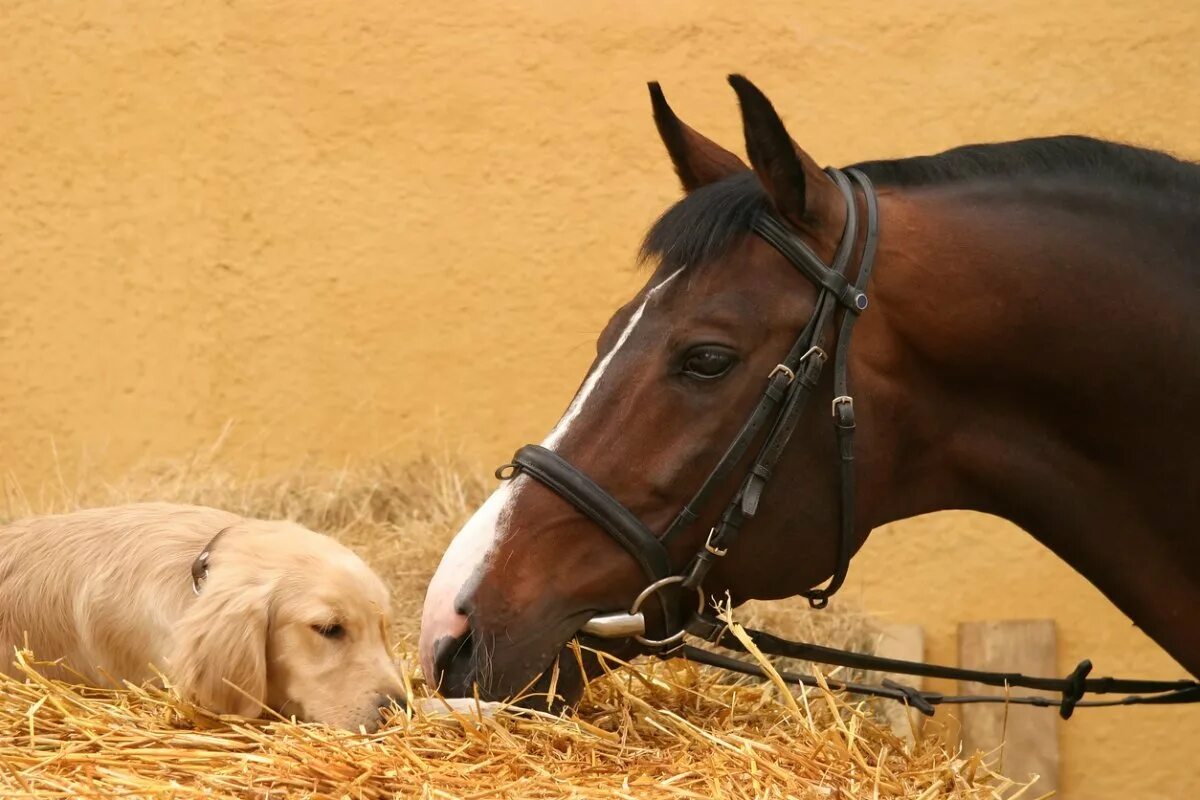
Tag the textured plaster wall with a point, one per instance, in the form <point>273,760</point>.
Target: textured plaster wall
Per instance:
<point>396,225</point>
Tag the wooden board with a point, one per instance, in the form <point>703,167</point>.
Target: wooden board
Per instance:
<point>1025,739</point>
<point>906,642</point>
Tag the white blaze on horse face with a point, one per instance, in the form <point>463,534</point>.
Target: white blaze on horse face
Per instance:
<point>468,553</point>
<point>576,408</point>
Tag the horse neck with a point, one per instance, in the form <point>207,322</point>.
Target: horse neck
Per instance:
<point>1034,355</point>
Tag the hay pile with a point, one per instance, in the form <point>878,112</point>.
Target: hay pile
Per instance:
<point>650,730</point>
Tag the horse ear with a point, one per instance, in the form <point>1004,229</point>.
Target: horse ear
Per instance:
<point>800,190</point>
<point>698,160</point>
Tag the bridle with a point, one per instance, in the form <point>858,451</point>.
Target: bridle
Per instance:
<point>789,387</point>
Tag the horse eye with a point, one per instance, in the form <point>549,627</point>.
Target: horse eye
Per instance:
<point>708,362</point>
<point>333,631</point>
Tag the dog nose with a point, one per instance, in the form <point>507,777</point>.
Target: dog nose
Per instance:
<point>387,703</point>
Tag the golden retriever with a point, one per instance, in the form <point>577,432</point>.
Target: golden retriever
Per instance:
<point>272,615</point>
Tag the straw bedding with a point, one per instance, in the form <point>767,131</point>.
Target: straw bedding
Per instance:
<point>648,730</point>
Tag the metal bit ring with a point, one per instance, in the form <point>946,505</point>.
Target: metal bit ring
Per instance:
<point>650,591</point>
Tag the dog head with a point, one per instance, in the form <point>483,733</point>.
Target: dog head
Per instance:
<point>291,620</point>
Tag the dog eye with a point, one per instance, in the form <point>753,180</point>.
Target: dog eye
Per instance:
<point>708,362</point>
<point>333,631</point>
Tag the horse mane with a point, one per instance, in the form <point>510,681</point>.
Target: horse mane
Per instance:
<point>706,223</point>
<point>1051,156</point>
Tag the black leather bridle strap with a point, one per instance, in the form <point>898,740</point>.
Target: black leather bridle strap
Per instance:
<point>803,365</point>
<point>781,433</point>
<point>735,665</point>
<point>745,503</point>
<point>554,472</point>
<point>831,282</point>
<point>1071,689</point>
<point>712,630</point>
<point>597,505</point>
<point>843,402</point>
<point>777,386</point>
<point>808,361</point>
<point>803,258</point>
<point>1162,693</point>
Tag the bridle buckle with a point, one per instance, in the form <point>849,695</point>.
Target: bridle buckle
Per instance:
<point>708,545</point>
<point>841,400</point>
<point>786,370</point>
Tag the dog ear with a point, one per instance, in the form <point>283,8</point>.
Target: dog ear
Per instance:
<point>221,648</point>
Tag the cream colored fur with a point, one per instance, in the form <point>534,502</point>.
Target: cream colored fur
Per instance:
<point>108,591</point>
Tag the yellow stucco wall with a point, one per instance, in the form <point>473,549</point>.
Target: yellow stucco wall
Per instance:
<point>355,226</point>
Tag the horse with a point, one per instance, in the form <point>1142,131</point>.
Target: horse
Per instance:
<point>1030,350</point>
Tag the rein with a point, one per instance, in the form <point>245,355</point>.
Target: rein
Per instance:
<point>789,386</point>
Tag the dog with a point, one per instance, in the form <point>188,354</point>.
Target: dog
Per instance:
<point>240,615</point>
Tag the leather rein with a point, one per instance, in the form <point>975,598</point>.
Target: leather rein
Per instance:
<point>789,387</point>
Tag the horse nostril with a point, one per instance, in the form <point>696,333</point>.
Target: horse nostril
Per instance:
<point>451,657</point>
<point>448,648</point>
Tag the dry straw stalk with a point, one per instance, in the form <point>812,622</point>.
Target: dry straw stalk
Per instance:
<point>645,731</point>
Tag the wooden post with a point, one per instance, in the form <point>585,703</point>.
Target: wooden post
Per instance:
<point>1019,741</point>
<point>905,642</point>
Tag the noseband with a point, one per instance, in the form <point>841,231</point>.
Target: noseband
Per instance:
<point>789,386</point>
